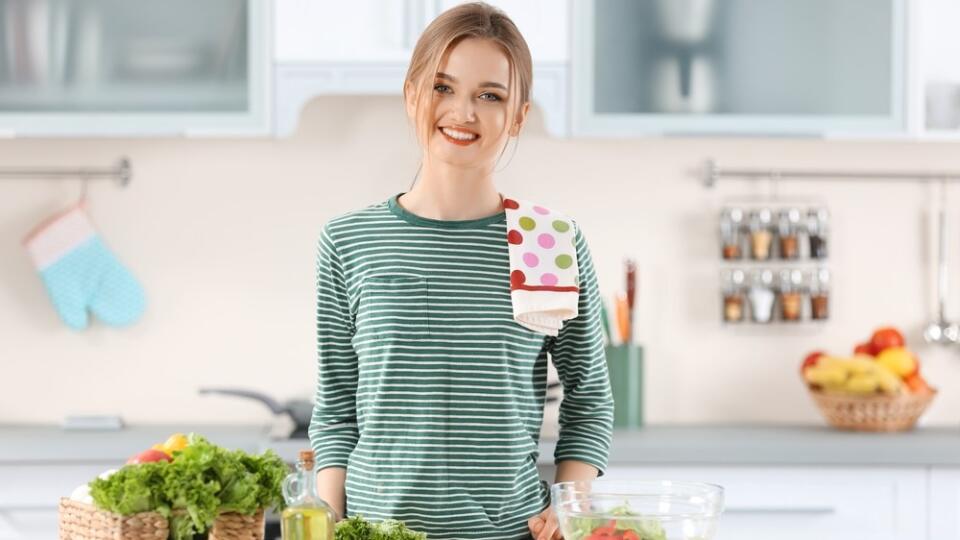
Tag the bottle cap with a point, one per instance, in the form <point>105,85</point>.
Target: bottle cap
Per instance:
<point>306,456</point>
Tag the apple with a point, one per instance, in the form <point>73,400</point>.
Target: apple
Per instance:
<point>886,337</point>
<point>811,360</point>
<point>149,456</point>
<point>864,348</point>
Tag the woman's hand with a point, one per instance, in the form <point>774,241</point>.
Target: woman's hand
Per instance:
<point>544,526</point>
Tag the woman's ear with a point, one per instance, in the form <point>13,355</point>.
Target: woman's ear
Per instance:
<point>520,120</point>
<point>410,95</point>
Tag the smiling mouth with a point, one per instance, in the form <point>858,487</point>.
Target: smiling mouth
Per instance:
<point>460,138</point>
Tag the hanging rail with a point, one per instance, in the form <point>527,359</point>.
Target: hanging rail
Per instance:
<point>713,172</point>
<point>122,173</point>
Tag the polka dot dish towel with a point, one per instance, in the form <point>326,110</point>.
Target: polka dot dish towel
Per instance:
<point>80,273</point>
<point>544,277</point>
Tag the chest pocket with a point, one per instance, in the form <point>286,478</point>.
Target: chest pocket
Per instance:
<point>393,308</point>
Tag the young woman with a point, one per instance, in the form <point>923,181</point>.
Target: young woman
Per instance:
<point>430,395</point>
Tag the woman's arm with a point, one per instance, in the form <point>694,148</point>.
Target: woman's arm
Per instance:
<point>333,428</point>
<point>330,482</point>
<point>569,470</point>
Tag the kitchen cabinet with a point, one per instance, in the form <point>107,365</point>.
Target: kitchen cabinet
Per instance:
<point>132,68</point>
<point>30,493</point>
<point>324,47</point>
<point>935,75</point>
<point>799,503</point>
<point>945,503</point>
<point>783,67</point>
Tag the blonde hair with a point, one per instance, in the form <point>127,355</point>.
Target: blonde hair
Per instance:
<point>472,20</point>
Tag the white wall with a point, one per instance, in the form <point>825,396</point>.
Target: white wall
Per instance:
<point>222,233</point>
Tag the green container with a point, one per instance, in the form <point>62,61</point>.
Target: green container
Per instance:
<point>625,365</point>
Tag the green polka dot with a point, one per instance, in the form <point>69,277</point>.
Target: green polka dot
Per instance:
<point>527,223</point>
<point>561,226</point>
<point>564,261</point>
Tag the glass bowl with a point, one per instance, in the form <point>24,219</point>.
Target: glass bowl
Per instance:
<point>643,510</point>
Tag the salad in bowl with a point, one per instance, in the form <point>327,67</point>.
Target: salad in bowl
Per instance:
<point>646,510</point>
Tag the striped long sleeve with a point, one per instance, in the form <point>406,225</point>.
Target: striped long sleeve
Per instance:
<point>333,428</point>
<point>586,412</point>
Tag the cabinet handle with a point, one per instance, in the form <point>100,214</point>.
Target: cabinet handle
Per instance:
<point>780,510</point>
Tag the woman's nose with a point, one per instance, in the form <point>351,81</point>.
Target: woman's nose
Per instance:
<point>464,110</point>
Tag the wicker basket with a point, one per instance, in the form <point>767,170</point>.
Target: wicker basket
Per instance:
<point>80,521</point>
<point>872,413</point>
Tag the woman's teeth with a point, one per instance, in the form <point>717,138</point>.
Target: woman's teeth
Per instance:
<point>459,135</point>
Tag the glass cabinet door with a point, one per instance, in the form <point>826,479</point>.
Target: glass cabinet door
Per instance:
<point>738,66</point>
<point>131,66</point>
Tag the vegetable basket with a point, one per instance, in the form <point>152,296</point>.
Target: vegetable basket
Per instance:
<point>872,413</point>
<point>81,521</point>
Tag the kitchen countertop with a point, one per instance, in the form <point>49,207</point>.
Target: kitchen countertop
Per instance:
<point>654,445</point>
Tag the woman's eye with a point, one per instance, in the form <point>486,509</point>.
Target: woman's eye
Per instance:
<point>493,97</point>
<point>442,88</point>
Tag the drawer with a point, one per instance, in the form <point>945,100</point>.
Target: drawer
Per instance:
<point>800,503</point>
<point>30,487</point>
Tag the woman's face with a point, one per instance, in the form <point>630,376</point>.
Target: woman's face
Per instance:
<point>471,105</point>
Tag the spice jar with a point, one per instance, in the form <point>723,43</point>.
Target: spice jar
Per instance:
<point>791,285</point>
<point>760,234</point>
<point>733,284</point>
<point>820,294</point>
<point>817,224</point>
<point>731,225</point>
<point>761,296</point>
<point>789,228</point>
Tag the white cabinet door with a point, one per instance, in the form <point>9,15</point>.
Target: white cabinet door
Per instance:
<point>944,503</point>
<point>355,31</point>
<point>30,494</point>
<point>543,23</point>
<point>936,74</point>
<point>800,503</point>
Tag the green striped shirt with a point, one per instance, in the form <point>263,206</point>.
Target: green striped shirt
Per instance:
<point>428,392</point>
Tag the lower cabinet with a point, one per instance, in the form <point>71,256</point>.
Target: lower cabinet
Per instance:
<point>30,495</point>
<point>944,503</point>
<point>802,503</point>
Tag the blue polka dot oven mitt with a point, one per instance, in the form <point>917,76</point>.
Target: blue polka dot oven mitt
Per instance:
<point>544,277</point>
<point>81,274</point>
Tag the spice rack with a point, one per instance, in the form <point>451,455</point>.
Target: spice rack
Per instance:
<point>774,262</point>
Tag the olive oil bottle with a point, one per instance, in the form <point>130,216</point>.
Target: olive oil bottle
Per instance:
<point>306,516</point>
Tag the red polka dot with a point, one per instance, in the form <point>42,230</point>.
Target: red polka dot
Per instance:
<point>514,237</point>
<point>517,278</point>
<point>511,204</point>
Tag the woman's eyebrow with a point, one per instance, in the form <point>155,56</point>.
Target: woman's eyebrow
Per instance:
<point>451,78</point>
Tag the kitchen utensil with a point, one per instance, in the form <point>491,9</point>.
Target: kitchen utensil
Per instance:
<point>623,318</point>
<point>631,270</point>
<point>299,410</point>
<point>662,509</point>
<point>941,331</point>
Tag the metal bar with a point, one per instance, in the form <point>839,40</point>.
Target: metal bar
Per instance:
<point>122,173</point>
<point>713,173</point>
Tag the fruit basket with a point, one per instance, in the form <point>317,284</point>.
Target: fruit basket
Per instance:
<point>643,510</point>
<point>879,388</point>
<point>898,412</point>
<point>82,521</point>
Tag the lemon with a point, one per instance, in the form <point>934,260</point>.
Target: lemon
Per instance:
<point>177,441</point>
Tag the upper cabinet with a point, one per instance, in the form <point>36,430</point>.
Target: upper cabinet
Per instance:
<point>935,80</point>
<point>134,67</point>
<point>364,47</point>
<point>804,67</point>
